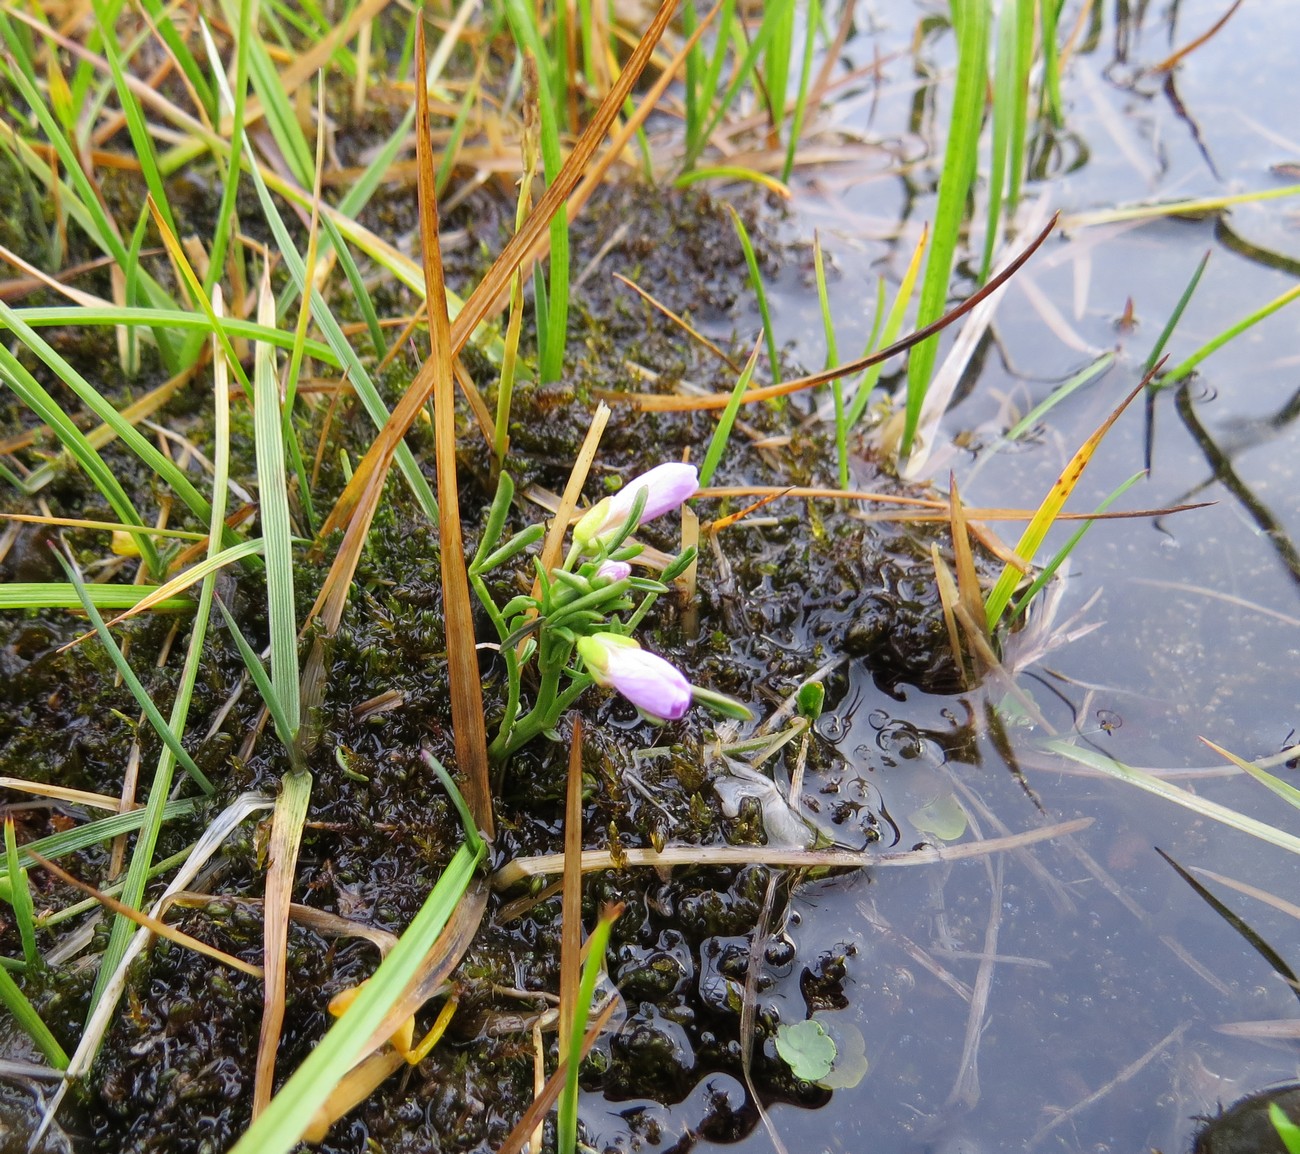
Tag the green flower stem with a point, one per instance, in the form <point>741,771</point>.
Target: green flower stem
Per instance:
<point>647,603</point>
<point>538,722</point>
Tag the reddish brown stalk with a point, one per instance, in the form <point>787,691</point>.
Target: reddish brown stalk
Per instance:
<point>468,726</point>
<point>675,404</point>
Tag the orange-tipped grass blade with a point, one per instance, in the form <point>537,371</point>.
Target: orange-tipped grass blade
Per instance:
<point>1051,506</point>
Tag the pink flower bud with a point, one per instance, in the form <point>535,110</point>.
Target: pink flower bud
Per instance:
<point>667,486</point>
<point>650,683</point>
<point>614,570</point>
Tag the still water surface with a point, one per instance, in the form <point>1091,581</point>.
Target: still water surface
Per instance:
<point>1102,982</point>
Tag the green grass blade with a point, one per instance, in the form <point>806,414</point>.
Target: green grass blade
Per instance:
<point>1085,375</point>
<point>1025,12</point>
<point>959,162</point>
<point>356,371</point>
<point>226,223</point>
<point>776,61</point>
<point>1174,317</point>
<point>137,874</point>
<point>96,832</point>
<point>132,291</point>
<point>1170,792</point>
<point>893,326</point>
<point>773,14</point>
<point>180,50</point>
<point>63,595</point>
<point>718,442</point>
<point>813,20</point>
<point>20,897</point>
<point>1287,1130</point>
<point>1049,570</point>
<point>524,28</point>
<point>138,691</point>
<point>1233,331</point>
<point>566,1121</point>
<point>141,140</point>
<point>54,316</point>
<point>1007,83</point>
<point>283,728</point>
<point>1286,791</point>
<point>756,282</point>
<point>448,162</point>
<point>24,1013</point>
<point>163,466</point>
<point>278,1128</point>
<point>833,358</point>
<point>34,396</point>
<point>273,500</point>
<point>1050,11</point>
<point>278,109</point>
<point>357,283</point>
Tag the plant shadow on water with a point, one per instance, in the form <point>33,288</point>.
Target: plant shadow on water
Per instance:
<point>1072,995</point>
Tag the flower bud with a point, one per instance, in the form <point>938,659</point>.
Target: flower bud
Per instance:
<point>666,486</point>
<point>649,682</point>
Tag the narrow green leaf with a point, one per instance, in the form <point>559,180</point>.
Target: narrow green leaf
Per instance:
<point>279,1127</point>
<point>277,532</point>
<point>1174,317</point>
<point>566,1121</point>
<point>756,282</point>
<point>721,434</point>
<point>960,155</point>
<point>20,897</point>
<point>101,830</point>
<point>24,1013</point>
<point>133,683</point>
<point>524,28</point>
<point>63,595</point>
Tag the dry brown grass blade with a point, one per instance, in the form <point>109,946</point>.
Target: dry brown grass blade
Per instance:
<point>469,730</point>
<point>552,549</point>
<point>948,600</point>
<point>732,518</point>
<point>536,1113</point>
<point>677,404</point>
<point>495,284</point>
<point>698,337</point>
<point>148,922</point>
<point>286,836</point>
<point>968,582</point>
<point>602,859</point>
<point>928,508</point>
<point>1170,62</point>
<point>571,902</point>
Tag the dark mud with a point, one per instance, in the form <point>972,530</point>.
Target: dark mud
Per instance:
<point>799,586</point>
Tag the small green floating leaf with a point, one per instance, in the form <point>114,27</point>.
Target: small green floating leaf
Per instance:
<point>807,1049</point>
<point>942,817</point>
<point>850,1065</point>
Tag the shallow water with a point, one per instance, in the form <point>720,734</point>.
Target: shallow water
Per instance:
<point>1105,981</point>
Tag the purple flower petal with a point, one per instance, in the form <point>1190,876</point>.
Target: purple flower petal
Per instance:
<point>649,682</point>
<point>666,486</point>
<point>614,570</point>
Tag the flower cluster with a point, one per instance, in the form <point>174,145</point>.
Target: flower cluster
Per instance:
<point>589,607</point>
